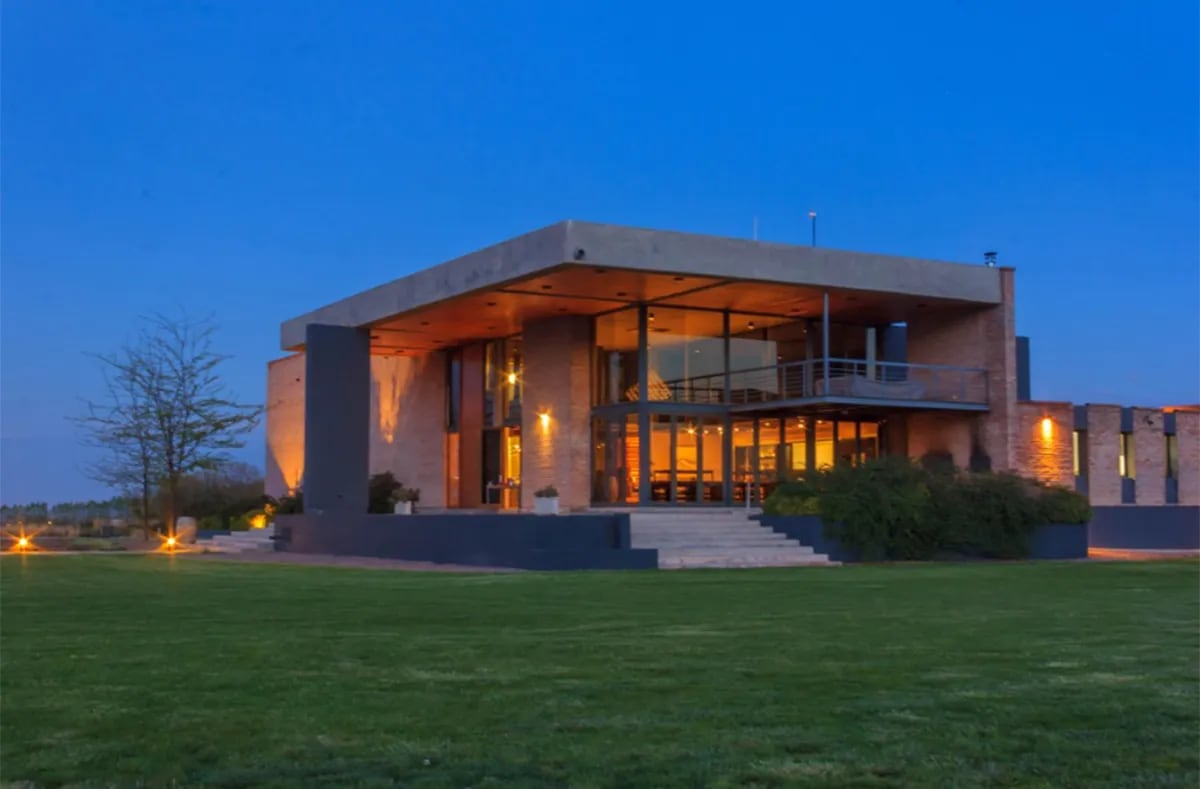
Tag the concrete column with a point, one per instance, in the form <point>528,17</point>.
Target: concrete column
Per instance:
<point>1104,449</point>
<point>337,413</point>
<point>1187,432</point>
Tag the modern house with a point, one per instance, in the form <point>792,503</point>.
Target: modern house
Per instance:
<point>643,368</point>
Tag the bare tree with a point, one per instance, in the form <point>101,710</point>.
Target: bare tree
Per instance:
<point>166,397</point>
<point>123,427</point>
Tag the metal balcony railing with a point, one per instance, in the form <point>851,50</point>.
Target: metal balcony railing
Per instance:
<point>847,379</point>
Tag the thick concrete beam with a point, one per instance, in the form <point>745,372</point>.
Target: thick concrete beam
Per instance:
<point>337,419</point>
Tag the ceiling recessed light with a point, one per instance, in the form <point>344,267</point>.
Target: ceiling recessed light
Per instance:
<point>491,304</point>
<point>621,294</point>
<point>374,336</point>
<point>424,323</point>
<point>677,279</point>
<point>546,287</point>
<point>601,270</point>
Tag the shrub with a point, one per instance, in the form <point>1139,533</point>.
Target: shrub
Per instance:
<point>798,496</point>
<point>381,492</point>
<point>211,523</point>
<point>880,509</point>
<point>987,515</point>
<point>1062,505</point>
<point>291,504</point>
<point>548,492</point>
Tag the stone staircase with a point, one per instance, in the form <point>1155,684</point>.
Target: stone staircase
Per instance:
<point>716,538</point>
<point>240,541</point>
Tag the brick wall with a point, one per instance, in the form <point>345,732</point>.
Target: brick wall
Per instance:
<point>1150,456</point>
<point>1187,431</point>
<point>978,338</point>
<point>1045,451</point>
<point>557,373</point>
<point>285,425</point>
<point>407,427</point>
<point>408,431</point>
<point>1104,451</point>
<point>941,431</point>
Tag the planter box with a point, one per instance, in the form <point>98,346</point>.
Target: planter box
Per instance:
<point>403,508</point>
<point>545,506</point>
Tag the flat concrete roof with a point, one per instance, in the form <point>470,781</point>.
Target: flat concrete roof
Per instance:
<point>706,262</point>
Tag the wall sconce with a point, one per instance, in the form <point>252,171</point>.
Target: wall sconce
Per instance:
<point>544,419</point>
<point>1047,428</point>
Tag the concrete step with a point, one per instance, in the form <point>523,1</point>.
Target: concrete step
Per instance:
<point>715,542</point>
<point>684,561</point>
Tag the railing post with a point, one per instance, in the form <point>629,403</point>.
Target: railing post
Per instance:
<point>825,337</point>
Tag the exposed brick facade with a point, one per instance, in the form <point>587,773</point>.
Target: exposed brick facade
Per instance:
<point>1150,452</point>
<point>557,381</point>
<point>285,425</point>
<point>1044,450</point>
<point>407,427</point>
<point>974,338</point>
<point>408,431</point>
<point>1187,432</point>
<point>939,432</point>
<point>1104,452</point>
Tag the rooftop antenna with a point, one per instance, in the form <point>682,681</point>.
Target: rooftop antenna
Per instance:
<point>812,215</point>
<point>989,259</point>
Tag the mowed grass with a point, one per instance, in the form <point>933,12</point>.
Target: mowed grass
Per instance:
<point>151,670</point>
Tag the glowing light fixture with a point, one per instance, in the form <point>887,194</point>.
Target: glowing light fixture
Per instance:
<point>170,542</point>
<point>22,542</point>
<point>512,378</point>
<point>544,418</point>
<point>1047,428</point>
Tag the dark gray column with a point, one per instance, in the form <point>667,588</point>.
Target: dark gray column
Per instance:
<point>337,414</point>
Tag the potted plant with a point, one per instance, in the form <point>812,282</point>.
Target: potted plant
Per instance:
<point>545,501</point>
<point>405,498</point>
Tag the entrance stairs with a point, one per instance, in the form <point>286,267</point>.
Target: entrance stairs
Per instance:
<point>716,538</point>
<point>240,541</point>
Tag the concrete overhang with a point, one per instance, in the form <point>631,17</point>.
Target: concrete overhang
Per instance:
<point>585,268</point>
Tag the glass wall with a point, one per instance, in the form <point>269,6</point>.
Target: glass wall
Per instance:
<point>502,382</point>
<point>686,353</point>
<point>616,358</point>
<point>693,450</point>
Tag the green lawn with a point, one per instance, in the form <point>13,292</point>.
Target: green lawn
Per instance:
<point>120,669</point>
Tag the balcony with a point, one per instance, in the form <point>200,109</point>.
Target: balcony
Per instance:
<point>840,381</point>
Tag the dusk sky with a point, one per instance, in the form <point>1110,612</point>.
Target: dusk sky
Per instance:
<point>255,160</point>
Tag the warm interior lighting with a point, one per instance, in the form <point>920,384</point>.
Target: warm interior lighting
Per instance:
<point>22,542</point>
<point>1047,428</point>
<point>512,378</point>
<point>544,418</point>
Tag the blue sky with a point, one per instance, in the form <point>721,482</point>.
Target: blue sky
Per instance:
<point>256,160</point>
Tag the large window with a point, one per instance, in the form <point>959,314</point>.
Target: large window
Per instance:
<point>616,357</point>
<point>686,355</point>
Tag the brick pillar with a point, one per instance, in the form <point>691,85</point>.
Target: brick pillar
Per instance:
<point>1150,453</point>
<point>1104,450</point>
<point>556,366</point>
<point>337,403</point>
<point>1187,435</point>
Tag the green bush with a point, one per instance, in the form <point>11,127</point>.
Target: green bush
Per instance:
<point>894,508</point>
<point>291,504</point>
<point>1062,505</point>
<point>212,523</point>
<point>880,509</point>
<point>381,493</point>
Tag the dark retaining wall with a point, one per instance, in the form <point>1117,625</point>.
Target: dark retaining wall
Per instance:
<point>531,542</point>
<point>1165,528</point>
<point>1057,541</point>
